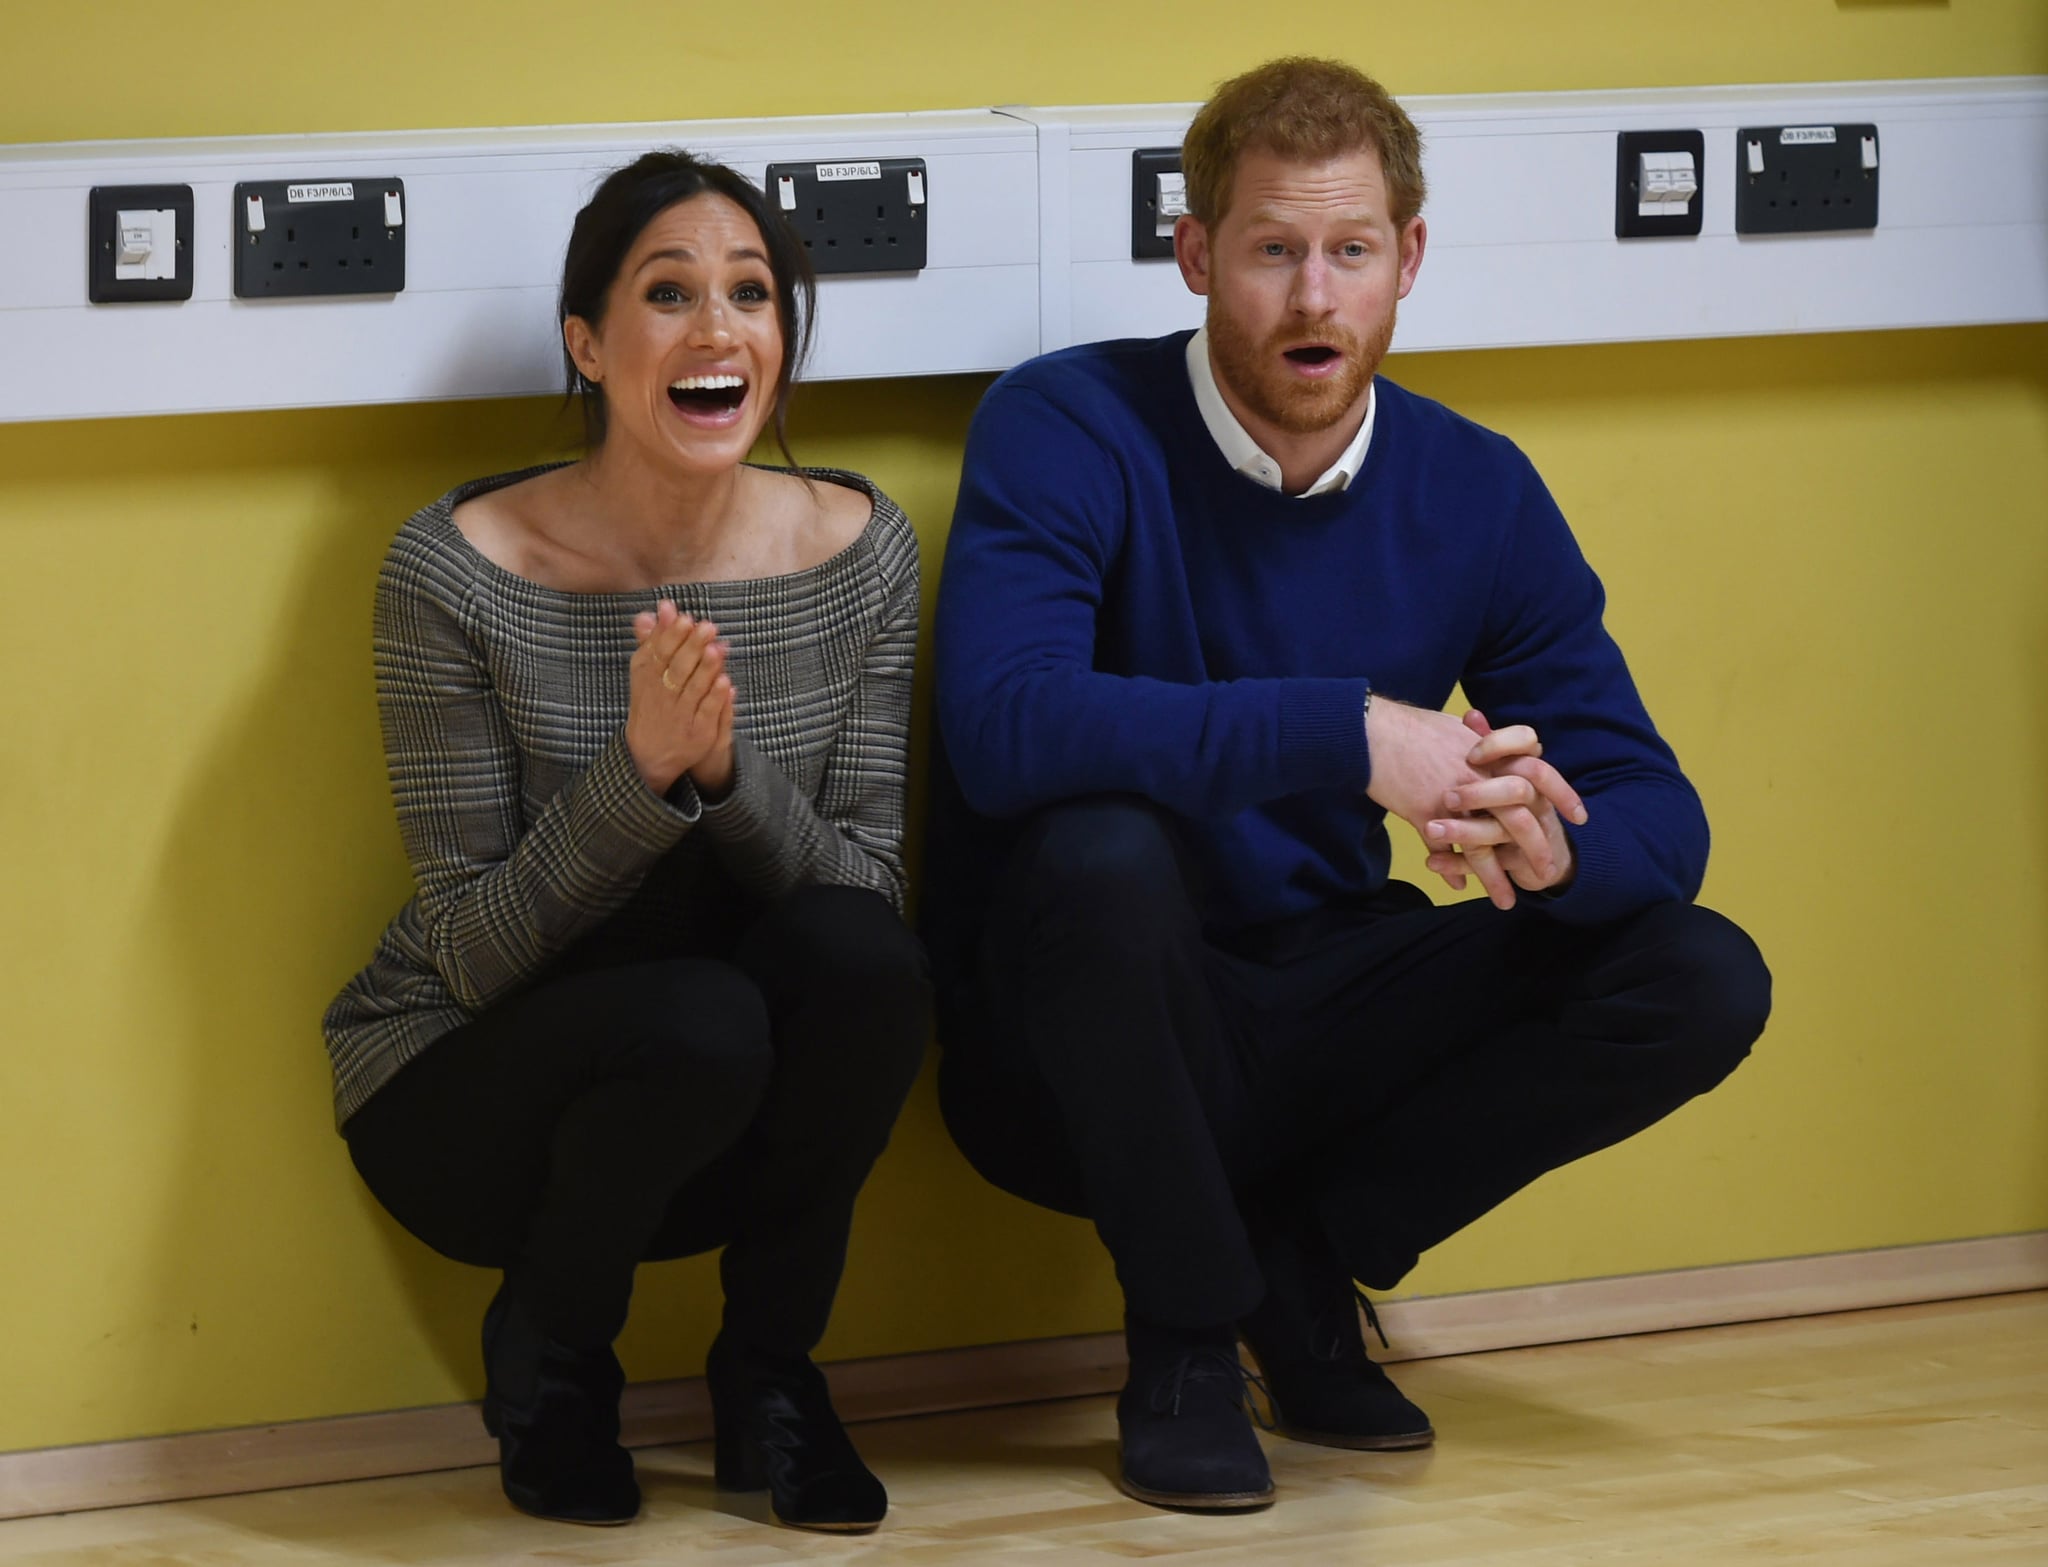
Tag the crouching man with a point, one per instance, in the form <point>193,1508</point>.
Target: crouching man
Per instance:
<point>1204,600</point>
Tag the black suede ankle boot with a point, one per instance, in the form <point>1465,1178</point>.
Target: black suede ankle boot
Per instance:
<point>555,1413</point>
<point>1185,1436</point>
<point>777,1431</point>
<point>1323,1385</point>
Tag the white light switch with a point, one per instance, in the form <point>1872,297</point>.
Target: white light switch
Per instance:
<point>1666,183</point>
<point>394,210</point>
<point>1169,201</point>
<point>147,241</point>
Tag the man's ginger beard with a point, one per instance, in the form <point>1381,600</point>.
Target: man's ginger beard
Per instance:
<point>1256,373</point>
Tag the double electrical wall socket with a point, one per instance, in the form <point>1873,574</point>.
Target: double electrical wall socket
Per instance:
<point>857,216</point>
<point>138,243</point>
<point>311,237</point>
<point>1159,196</point>
<point>1804,179</point>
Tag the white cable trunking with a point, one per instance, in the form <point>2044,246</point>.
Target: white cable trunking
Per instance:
<point>1029,243</point>
<point>1521,248</point>
<point>487,219</point>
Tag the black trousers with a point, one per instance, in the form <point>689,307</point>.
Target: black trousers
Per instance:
<point>662,1108</point>
<point>1392,1070</point>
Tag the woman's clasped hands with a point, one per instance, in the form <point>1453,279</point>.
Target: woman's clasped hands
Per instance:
<point>679,714</point>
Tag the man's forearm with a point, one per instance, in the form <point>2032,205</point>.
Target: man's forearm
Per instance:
<point>1034,737</point>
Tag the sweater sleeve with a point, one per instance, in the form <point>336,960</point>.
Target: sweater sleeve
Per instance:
<point>1027,717</point>
<point>496,902</point>
<point>1546,659</point>
<point>771,837</point>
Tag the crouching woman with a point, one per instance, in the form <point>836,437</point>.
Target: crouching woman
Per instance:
<point>645,717</point>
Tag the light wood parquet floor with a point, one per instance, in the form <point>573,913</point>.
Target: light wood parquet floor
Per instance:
<point>1913,1437</point>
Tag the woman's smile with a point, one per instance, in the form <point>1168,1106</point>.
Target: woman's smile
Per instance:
<point>713,401</point>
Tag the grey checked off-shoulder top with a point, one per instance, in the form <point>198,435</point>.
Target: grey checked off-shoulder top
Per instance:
<point>527,826</point>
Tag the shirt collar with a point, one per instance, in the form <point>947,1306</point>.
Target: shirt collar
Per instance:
<point>1245,454</point>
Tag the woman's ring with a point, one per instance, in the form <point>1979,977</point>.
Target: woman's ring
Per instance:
<point>666,683</point>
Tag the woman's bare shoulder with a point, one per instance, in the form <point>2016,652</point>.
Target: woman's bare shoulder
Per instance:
<point>507,525</point>
<point>819,516</point>
<point>844,512</point>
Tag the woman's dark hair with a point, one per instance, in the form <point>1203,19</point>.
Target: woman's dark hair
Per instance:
<point>613,220</point>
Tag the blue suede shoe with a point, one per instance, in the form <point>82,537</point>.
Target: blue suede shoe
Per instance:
<point>1323,1385</point>
<point>1184,1428</point>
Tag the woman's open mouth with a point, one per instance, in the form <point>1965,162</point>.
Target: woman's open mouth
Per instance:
<point>708,399</point>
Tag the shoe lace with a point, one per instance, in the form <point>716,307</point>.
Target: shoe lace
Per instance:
<point>1205,1365</point>
<point>1372,1317</point>
<point>1339,1329</point>
<point>1270,1419</point>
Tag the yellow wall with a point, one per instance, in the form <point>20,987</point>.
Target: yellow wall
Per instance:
<point>383,64</point>
<point>1827,557</point>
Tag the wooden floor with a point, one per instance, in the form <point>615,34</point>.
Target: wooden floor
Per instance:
<point>1915,1436</point>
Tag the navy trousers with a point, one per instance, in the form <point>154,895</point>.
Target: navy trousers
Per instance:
<point>1391,1070</point>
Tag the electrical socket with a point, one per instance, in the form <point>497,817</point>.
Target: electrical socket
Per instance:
<point>295,238</point>
<point>1804,179</point>
<point>855,216</point>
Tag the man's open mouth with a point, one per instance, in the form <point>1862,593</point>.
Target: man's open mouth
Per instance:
<point>708,394</point>
<point>1313,354</point>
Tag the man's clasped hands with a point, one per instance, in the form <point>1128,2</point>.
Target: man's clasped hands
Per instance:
<point>1495,810</point>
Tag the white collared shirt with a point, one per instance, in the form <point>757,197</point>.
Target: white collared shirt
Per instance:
<point>1245,454</point>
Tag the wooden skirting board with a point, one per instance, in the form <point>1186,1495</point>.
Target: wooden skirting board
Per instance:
<point>412,1441</point>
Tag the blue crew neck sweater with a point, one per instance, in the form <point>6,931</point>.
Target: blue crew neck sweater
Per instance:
<point>1123,613</point>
